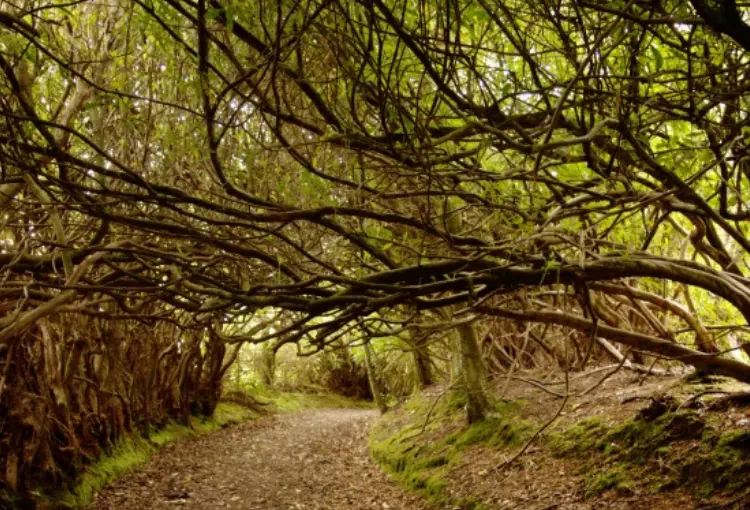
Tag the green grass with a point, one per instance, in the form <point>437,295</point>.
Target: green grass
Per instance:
<point>133,451</point>
<point>124,457</point>
<point>284,402</point>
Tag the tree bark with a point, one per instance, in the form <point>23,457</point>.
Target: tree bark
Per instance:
<point>372,378</point>
<point>267,366</point>
<point>470,369</point>
<point>473,373</point>
<point>422,363</point>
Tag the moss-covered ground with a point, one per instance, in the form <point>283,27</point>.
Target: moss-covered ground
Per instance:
<point>422,440</point>
<point>678,449</point>
<point>655,450</point>
<point>285,401</point>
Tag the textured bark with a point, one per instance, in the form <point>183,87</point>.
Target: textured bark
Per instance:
<point>473,373</point>
<point>73,386</point>
<point>703,338</point>
<point>470,370</point>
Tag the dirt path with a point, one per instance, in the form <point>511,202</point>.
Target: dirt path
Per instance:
<point>315,459</point>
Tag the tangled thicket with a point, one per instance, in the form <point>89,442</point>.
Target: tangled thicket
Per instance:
<point>180,177</point>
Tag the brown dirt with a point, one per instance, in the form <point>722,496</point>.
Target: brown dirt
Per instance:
<point>316,459</point>
<point>539,480</point>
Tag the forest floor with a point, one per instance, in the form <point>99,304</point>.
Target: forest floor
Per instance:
<point>315,459</point>
<point>634,443</point>
<point>606,450</point>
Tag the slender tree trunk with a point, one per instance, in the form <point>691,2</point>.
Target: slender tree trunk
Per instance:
<point>457,370</point>
<point>473,372</point>
<point>238,366</point>
<point>372,377</point>
<point>267,366</point>
<point>422,362</point>
<point>468,373</point>
<point>467,367</point>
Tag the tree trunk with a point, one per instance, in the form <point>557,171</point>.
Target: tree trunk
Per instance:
<point>372,377</point>
<point>238,366</point>
<point>467,367</point>
<point>267,366</point>
<point>473,373</point>
<point>422,363</point>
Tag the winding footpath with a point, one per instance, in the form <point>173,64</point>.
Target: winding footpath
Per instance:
<point>311,460</point>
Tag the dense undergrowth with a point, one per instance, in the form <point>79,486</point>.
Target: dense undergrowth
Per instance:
<point>659,449</point>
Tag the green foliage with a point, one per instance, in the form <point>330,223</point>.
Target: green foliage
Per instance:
<point>307,160</point>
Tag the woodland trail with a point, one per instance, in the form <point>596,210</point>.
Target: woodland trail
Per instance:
<point>315,459</point>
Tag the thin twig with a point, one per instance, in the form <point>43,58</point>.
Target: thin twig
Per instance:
<point>608,374</point>
<point>549,422</point>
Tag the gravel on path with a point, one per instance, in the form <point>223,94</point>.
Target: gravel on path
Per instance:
<point>312,460</point>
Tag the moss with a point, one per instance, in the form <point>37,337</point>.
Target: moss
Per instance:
<point>716,469</point>
<point>432,462</point>
<point>614,478</point>
<point>418,452</point>
<point>415,468</point>
<point>662,451</point>
<point>454,401</point>
<point>491,432</point>
<point>663,448</point>
<point>672,450</point>
<point>637,440</point>
<point>431,486</point>
<point>736,439</point>
<point>133,451</point>
<point>579,438</point>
